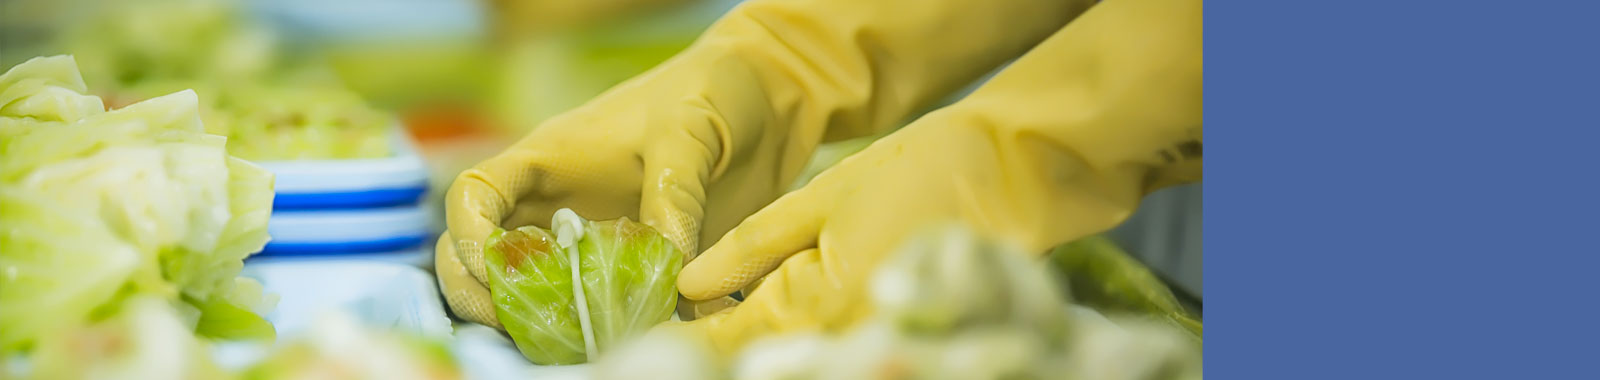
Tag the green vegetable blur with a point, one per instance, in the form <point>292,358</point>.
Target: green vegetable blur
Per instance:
<point>340,348</point>
<point>270,105</point>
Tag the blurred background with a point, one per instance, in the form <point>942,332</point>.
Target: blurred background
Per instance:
<point>453,80</point>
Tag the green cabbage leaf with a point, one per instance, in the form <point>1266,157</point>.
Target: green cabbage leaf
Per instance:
<point>567,294</point>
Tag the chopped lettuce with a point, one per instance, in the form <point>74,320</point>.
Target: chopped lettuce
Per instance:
<point>104,206</point>
<point>566,295</point>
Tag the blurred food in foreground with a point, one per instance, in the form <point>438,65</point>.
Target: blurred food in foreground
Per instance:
<point>949,306</point>
<point>272,105</point>
<point>101,207</point>
<point>338,348</point>
<point>567,293</point>
<point>146,340</point>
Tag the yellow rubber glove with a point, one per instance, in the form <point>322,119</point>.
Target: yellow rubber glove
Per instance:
<point>1060,145</point>
<point>710,136</point>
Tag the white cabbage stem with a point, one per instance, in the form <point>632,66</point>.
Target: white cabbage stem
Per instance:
<point>568,227</point>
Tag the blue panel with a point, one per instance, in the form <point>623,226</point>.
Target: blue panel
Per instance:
<point>344,247</point>
<point>349,200</point>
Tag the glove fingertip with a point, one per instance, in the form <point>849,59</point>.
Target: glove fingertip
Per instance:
<point>673,200</point>
<point>698,281</point>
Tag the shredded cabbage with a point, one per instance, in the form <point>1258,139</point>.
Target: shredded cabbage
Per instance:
<point>567,295</point>
<point>100,206</point>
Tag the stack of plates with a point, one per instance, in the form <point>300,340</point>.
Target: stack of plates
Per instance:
<point>364,208</point>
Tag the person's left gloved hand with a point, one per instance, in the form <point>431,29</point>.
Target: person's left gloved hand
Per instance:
<point>1062,144</point>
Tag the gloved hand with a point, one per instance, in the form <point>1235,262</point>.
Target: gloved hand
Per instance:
<point>1061,144</point>
<point>707,138</point>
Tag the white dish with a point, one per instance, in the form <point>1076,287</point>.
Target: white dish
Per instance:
<point>376,182</point>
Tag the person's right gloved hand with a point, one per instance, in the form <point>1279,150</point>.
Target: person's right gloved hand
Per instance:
<point>712,135</point>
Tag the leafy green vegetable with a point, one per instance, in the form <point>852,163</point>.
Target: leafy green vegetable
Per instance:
<point>103,206</point>
<point>1102,276</point>
<point>565,296</point>
<point>220,318</point>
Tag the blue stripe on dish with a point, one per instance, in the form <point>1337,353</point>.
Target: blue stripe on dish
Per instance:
<point>349,199</point>
<point>344,247</point>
